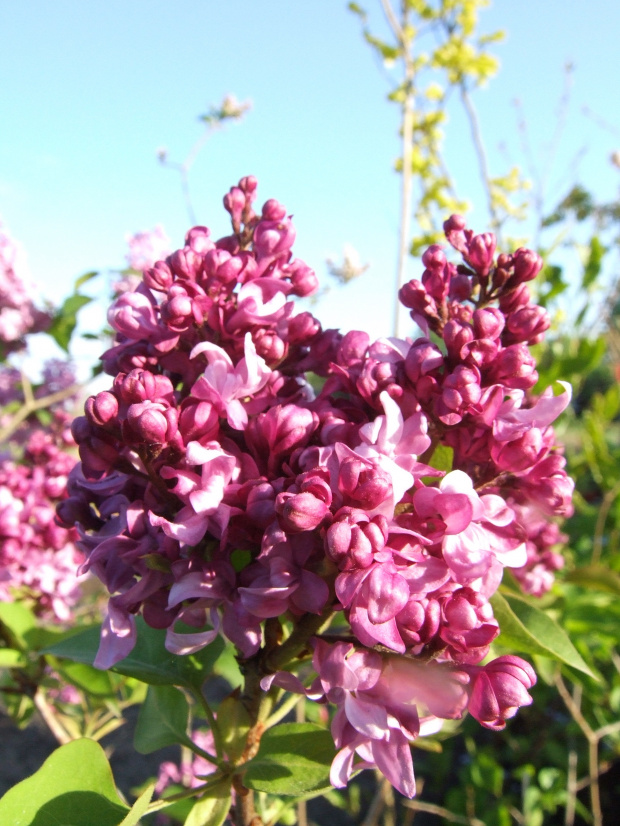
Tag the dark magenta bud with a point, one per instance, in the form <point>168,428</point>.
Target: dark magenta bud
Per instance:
<point>102,408</point>
<point>480,252</point>
<point>488,323</point>
<point>300,511</point>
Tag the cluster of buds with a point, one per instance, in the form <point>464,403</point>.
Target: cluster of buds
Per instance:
<point>38,558</point>
<point>217,489</point>
<point>18,314</point>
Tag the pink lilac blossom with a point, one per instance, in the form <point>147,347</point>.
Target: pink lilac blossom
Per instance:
<point>38,557</point>
<point>145,248</point>
<point>18,314</point>
<point>211,441</point>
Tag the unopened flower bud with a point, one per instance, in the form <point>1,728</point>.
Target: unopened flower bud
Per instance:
<point>514,367</point>
<point>234,203</point>
<point>488,323</point>
<point>362,485</point>
<point>185,263</point>
<point>527,324</point>
<point>456,335</point>
<point>273,210</point>
<point>102,408</point>
<point>422,358</point>
<point>519,454</point>
<point>198,240</point>
<point>158,277</point>
<point>455,232</point>
<point>300,511</point>
<point>303,278</point>
<point>270,346</point>
<point>460,287</point>
<point>273,237</point>
<point>434,258</point>
<point>527,265</point>
<point>198,421</point>
<point>248,185</point>
<point>81,429</point>
<point>302,328</point>
<point>498,689</point>
<point>515,299</point>
<point>152,422</point>
<point>480,252</point>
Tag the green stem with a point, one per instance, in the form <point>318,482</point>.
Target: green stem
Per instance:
<point>195,792</point>
<point>287,706</point>
<point>217,736</point>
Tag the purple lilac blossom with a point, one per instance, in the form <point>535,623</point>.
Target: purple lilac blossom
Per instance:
<point>211,440</point>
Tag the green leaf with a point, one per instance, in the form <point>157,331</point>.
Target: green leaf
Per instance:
<point>526,628</point>
<point>293,759</point>
<point>226,666</point>
<point>139,808</point>
<point>593,264</point>
<point>74,787</point>
<point>65,320</point>
<point>87,678</point>
<point>357,9</point>
<point>149,661</point>
<point>595,576</point>
<point>443,458</point>
<point>162,720</point>
<point>83,279</point>
<point>19,624</point>
<point>11,658</point>
<point>213,809</point>
<point>388,53</point>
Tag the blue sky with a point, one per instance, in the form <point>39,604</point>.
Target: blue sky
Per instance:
<point>91,90</point>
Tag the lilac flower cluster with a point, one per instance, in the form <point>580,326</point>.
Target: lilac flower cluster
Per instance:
<point>217,489</point>
<point>18,314</point>
<point>38,558</point>
<point>147,247</point>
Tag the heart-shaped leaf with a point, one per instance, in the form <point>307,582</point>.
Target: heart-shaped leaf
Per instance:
<point>74,787</point>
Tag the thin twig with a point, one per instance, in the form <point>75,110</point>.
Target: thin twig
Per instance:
<point>389,815</point>
<point>574,708</point>
<point>480,153</point>
<point>603,768</point>
<point>610,728</point>
<point>571,789</point>
<point>592,737</point>
<point>33,405</point>
<point>595,793</point>
<point>432,809</point>
<point>399,29</point>
<point>377,805</point>
<point>50,719</point>
<point>603,513</point>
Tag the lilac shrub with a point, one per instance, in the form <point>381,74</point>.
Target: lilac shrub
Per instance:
<point>218,489</point>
